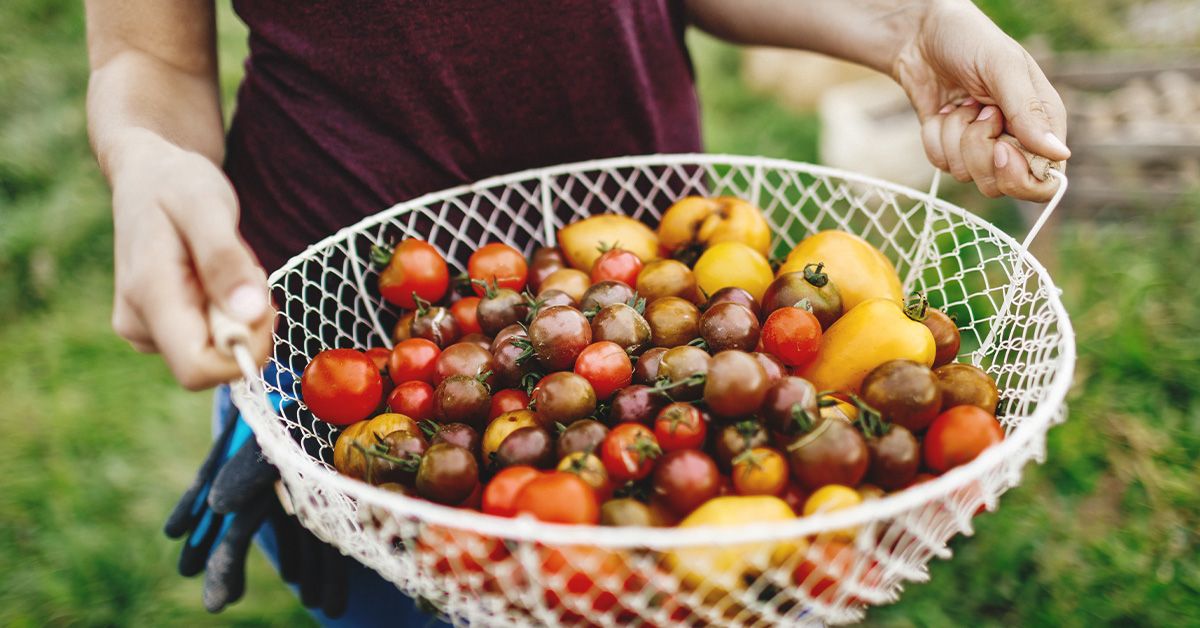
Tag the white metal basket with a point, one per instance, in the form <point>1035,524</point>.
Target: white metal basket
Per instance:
<point>482,570</point>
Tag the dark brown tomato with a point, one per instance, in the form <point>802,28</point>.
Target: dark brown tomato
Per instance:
<point>583,435</point>
<point>790,289</point>
<point>604,294</point>
<point>726,326</point>
<point>789,406</point>
<point>967,385</point>
<point>546,260</point>
<point>774,368</point>
<point>667,278</point>
<point>645,371</point>
<point>945,336</point>
<point>734,294</point>
<point>736,383</point>
<point>637,403</point>
<point>459,434</point>
<point>833,453</point>
<point>529,446</point>
<point>895,457</point>
<point>558,335</point>
<point>551,298</point>
<point>625,512</point>
<point>904,392</point>
<point>735,438</point>
<point>511,363</point>
<point>563,397</point>
<point>437,325</point>
<point>448,474</point>
<point>404,449</point>
<point>673,321</point>
<point>463,358</point>
<point>623,325</point>
<point>482,341</point>
<point>686,478</point>
<point>462,399</point>
<point>686,367</point>
<point>512,331</point>
<point>499,309</point>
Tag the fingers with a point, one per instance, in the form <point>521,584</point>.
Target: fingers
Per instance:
<point>1013,177</point>
<point>977,148</point>
<point>953,126</point>
<point>1033,109</point>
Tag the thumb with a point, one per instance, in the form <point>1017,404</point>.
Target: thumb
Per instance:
<point>1036,117</point>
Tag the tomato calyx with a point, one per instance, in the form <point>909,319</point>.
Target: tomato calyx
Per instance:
<point>747,429</point>
<point>636,302</point>
<point>804,304</point>
<point>814,276</point>
<point>530,382</point>
<point>526,354</point>
<point>870,421</point>
<point>429,428</point>
<point>605,247</point>
<point>381,255</point>
<point>699,342</point>
<point>802,419</point>
<point>644,448</point>
<point>409,463</point>
<point>915,306</point>
<point>533,304</point>
<point>751,460</point>
<point>665,384</point>
<point>489,290</point>
<point>423,306</point>
<point>634,489</point>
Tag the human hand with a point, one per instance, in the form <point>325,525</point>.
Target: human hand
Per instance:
<point>969,83</point>
<point>177,249</point>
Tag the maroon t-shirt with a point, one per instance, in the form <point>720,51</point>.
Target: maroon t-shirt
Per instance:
<point>350,107</point>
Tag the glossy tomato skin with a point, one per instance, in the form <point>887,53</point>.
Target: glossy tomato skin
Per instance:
<point>736,384</point>
<point>415,267</point>
<point>833,453</point>
<point>617,265</point>
<point>545,262</point>
<point>508,400</point>
<point>463,358</point>
<point>500,263</point>
<point>558,335</point>
<point>793,335</point>
<point>958,435</point>
<point>636,403</point>
<point>413,398</point>
<point>413,359</point>
<point>341,386</point>
<point>500,494</point>
<point>464,313</point>
<point>606,366</point>
<point>686,478</point>
<point>680,426</point>
<point>763,471</point>
<point>459,434</point>
<point>629,452</point>
<point>559,497</point>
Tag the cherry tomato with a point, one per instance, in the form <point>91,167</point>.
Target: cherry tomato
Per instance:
<point>341,386</point>
<point>380,356</point>
<point>415,267</point>
<point>500,263</point>
<point>500,494</point>
<point>680,426</point>
<point>617,265</point>
<point>629,452</point>
<point>606,366</point>
<point>463,358</point>
<point>413,360</point>
<point>463,312</point>
<point>414,399</point>
<point>508,400</point>
<point>793,335</point>
<point>559,497</point>
<point>685,479</point>
<point>958,435</point>
<point>762,471</point>
<point>590,468</point>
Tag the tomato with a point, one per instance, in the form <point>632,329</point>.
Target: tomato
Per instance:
<point>629,452</point>
<point>733,264</point>
<point>571,282</point>
<point>833,452</point>
<point>737,384</point>
<point>500,427</point>
<point>873,332</point>
<point>668,278</point>
<point>695,222</point>
<point>464,313</point>
<point>593,580</point>
<point>761,471</point>
<point>606,366</point>
<point>617,265</point>
<point>380,356</point>
<point>414,267</point>
<point>447,475</point>
<point>830,498</point>
<point>589,467</point>
<point>508,400</point>
<point>811,285</point>
<point>500,494</point>
<point>546,260</point>
<point>581,240</point>
<point>724,567</point>
<point>793,335</point>
<point>967,385</point>
<point>859,270</point>
<point>905,392</point>
<point>500,263</point>
<point>826,566</point>
<point>341,386</point>
<point>463,358</point>
<point>413,398</point>
<point>680,426</point>
<point>958,435</point>
<point>559,497</point>
<point>685,479</point>
<point>413,360</point>
<point>945,336</point>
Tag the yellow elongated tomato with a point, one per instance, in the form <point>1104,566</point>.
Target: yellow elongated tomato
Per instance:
<point>698,222</point>
<point>582,242</point>
<point>733,264</point>
<point>858,269</point>
<point>874,332</point>
<point>722,569</point>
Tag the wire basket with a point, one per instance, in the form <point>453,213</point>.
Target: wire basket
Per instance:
<point>482,570</point>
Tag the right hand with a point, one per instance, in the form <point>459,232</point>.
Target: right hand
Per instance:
<point>177,249</point>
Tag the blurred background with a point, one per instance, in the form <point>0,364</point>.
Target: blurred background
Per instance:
<point>96,441</point>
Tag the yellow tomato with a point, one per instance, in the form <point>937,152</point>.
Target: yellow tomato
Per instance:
<point>502,426</point>
<point>696,221</point>
<point>733,264</point>
<point>831,498</point>
<point>581,241</point>
<point>857,269</point>
<point>763,472</point>
<point>874,332</point>
<point>571,281</point>
<point>347,459</point>
<point>589,468</point>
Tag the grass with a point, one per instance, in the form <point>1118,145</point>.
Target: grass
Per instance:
<point>96,441</point>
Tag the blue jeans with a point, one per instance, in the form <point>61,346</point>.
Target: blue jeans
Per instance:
<point>372,600</point>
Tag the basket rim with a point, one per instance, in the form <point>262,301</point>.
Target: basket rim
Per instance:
<point>528,529</point>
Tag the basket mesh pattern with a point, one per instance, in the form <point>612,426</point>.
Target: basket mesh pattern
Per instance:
<point>481,570</point>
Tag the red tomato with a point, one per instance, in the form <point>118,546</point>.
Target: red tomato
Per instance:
<point>413,359</point>
<point>617,265</point>
<point>792,334</point>
<point>500,262</point>
<point>508,400</point>
<point>415,266</point>
<point>463,312</point>
<point>341,386</point>
<point>500,494</point>
<point>380,356</point>
<point>680,426</point>
<point>559,497</point>
<point>606,366</point>
<point>414,399</point>
<point>958,435</point>
<point>685,479</point>
<point>629,451</point>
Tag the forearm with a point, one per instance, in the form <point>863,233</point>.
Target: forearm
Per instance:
<point>869,32</point>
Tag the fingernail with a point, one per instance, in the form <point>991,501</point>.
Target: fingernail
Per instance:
<point>1056,143</point>
<point>986,113</point>
<point>246,303</point>
<point>968,102</point>
<point>947,109</point>
<point>1000,155</point>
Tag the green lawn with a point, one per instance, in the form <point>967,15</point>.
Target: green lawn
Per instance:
<point>96,441</point>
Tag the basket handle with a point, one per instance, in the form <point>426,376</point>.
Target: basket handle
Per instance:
<point>232,339</point>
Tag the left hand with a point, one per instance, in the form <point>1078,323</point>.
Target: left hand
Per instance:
<point>969,82</point>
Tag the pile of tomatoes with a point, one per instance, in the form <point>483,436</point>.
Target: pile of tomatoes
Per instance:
<point>640,377</point>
